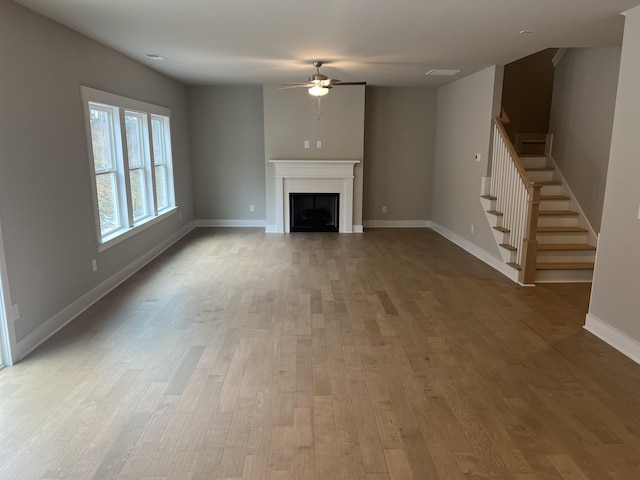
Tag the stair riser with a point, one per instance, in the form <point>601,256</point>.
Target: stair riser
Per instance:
<point>557,221</point>
<point>563,276</point>
<point>551,190</point>
<point>565,256</point>
<point>562,237</point>
<point>540,176</point>
<point>554,205</point>
<point>533,162</point>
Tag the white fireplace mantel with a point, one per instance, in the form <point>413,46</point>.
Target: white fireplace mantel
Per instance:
<point>314,176</point>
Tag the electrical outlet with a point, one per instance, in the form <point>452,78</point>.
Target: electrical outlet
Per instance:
<point>306,144</point>
<point>252,208</point>
<point>384,209</point>
<point>319,144</point>
<point>94,265</point>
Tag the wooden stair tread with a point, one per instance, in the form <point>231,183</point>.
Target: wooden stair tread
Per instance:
<point>502,229</point>
<point>565,246</point>
<point>532,155</point>
<point>561,230</point>
<point>488,197</point>
<point>556,212</point>
<point>547,183</point>
<point>506,246</point>
<point>565,266</point>
<point>554,197</point>
<point>534,141</point>
<point>495,212</point>
<point>514,265</point>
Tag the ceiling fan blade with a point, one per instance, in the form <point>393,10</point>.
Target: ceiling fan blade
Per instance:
<point>336,83</point>
<point>286,86</point>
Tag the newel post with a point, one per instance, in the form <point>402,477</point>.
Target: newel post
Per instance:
<point>530,241</point>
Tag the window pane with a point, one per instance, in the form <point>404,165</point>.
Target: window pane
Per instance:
<point>157,132</point>
<point>107,203</point>
<point>135,139</point>
<point>161,187</point>
<point>138,194</point>
<point>102,139</point>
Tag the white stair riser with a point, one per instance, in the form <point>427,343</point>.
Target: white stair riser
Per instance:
<point>557,221</point>
<point>562,237</point>
<point>554,205</point>
<point>540,176</point>
<point>563,276</point>
<point>565,256</point>
<point>533,162</point>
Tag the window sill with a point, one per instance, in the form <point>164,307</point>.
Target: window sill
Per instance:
<point>122,235</point>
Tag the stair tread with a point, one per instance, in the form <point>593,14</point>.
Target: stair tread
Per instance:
<point>565,266</point>
<point>556,212</point>
<point>506,246</point>
<point>545,183</point>
<point>554,197</point>
<point>565,246</point>
<point>553,229</point>
<point>534,141</point>
<point>488,197</point>
<point>539,169</point>
<point>502,229</point>
<point>514,265</point>
<point>495,212</point>
<point>532,155</point>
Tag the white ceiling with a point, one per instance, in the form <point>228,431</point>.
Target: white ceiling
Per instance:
<point>382,42</point>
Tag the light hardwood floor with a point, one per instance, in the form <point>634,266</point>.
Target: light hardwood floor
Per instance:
<point>391,355</point>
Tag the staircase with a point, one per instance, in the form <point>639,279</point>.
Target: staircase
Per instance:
<point>553,240</point>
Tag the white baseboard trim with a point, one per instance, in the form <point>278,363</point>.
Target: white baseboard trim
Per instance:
<point>358,229</point>
<point>69,313</point>
<point>397,224</point>
<point>244,223</point>
<point>479,253</point>
<point>615,338</point>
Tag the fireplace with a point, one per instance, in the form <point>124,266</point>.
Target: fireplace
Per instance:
<point>314,212</point>
<point>314,177</point>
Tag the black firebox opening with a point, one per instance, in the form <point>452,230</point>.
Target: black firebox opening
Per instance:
<point>314,212</point>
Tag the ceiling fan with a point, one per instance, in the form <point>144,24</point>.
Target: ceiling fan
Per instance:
<point>319,84</point>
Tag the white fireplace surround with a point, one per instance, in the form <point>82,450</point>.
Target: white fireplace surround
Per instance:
<point>314,176</point>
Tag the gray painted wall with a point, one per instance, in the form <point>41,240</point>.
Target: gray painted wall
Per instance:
<point>614,299</point>
<point>227,149</point>
<point>584,97</point>
<point>45,194</point>
<point>399,152</point>
<point>291,117</point>
<point>465,113</point>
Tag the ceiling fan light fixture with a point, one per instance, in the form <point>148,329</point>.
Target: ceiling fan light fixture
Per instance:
<point>318,91</point>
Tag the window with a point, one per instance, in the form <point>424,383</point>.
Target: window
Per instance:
<point>130,159</point>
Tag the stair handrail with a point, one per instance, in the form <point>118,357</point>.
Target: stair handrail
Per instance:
<point>517,198</point>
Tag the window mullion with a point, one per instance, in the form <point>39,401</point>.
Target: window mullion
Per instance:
<point>150,167</point>
<point>124,178</point>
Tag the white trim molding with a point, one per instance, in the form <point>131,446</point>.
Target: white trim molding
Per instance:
<point>397,224</point>
<point>613,337</point>
<point>242,223</point>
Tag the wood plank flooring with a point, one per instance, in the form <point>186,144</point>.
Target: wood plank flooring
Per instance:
<point>391,355</point>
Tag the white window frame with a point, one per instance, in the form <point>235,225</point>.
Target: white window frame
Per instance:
<point>120,107</point>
